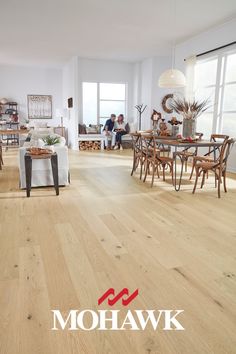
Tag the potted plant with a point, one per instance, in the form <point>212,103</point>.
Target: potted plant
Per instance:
<point>190,110</point>
<point>50,141</point>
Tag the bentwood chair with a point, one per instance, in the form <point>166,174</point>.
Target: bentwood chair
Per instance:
<point>153,159</point>
<point>212,154</point>
<point>138,155</point>
<point>187,153</point>
<point>218,167</point>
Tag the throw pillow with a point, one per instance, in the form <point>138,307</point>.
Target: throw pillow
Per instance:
<point>82,129</point>
<point>127,128</point>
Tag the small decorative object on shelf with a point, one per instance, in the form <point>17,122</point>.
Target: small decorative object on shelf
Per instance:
<point>190,110</point>
<point>163,128</point>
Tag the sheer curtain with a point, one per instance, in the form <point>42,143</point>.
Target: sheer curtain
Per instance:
<point>190,70</point>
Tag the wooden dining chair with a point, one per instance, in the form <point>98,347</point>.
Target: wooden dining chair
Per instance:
<point>138,154</point>
<point>154,161</point>
<point>212,153</point>
<point>188,153</point>
<point>218,167</point>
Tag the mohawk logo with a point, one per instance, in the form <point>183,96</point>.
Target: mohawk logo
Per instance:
<point>117,320</point>
<point>113,301</point>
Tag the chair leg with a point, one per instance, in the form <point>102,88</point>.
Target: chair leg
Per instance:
<point>197,175</point>
<point>134,165</point>
<point>141,169</point>
<point>158,175</point>
<point>219,186</point>
<point>203,178</point>
<point>171,171</point>
<point>224,180</point>
<point>153,174</point>
<point>163,172</point>
<point>146,170</point>
<point>186,164</point>
<point>193,166</point>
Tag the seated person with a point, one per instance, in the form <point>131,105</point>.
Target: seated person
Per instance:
<point>119,128</point>
<point>108,131</point>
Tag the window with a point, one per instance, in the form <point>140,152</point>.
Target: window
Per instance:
<point>215,77</point>
<point>100,100</point>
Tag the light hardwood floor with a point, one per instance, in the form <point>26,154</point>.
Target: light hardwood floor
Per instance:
<point>108,229</point>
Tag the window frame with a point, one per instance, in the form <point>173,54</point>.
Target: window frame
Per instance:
<point>220,84</point>
<point>99,100</point>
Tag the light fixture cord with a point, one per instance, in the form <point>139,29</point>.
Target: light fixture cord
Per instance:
<point>173,40</point>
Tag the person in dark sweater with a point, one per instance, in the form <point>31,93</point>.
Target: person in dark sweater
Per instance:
<point>108,131</point>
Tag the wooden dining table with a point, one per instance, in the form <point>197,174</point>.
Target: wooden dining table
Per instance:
<point>180,144</point>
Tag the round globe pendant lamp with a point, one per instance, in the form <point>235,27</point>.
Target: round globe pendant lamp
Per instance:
<point>172,78</point>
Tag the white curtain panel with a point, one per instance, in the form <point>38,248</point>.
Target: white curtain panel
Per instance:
<point>190,70</point>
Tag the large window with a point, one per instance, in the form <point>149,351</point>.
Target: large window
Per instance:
<point>215,78</point>
<point>100,100</point>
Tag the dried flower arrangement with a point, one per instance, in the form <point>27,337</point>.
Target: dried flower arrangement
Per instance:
<point>189,109</point>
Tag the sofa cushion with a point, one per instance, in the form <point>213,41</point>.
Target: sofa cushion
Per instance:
<point>82,129</point>
<point>127,128</point>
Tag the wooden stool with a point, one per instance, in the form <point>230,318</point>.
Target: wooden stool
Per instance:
<point>28,169</point>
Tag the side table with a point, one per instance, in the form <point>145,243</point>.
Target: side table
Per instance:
<point>28,169</point>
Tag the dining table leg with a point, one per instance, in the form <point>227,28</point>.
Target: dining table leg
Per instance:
<point>178,185</point>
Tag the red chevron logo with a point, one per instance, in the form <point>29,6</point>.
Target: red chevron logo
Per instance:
<point>113,301</point>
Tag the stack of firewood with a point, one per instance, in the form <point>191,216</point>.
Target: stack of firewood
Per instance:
<point>89,145</point>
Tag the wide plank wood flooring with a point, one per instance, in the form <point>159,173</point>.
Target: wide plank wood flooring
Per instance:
<point>108,229</point>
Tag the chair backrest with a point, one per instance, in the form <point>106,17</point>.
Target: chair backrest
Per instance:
<point>199,135</point>
<point>136,142</point>
<point>147,144</point>
<point>217,137</point>
<point>224,152</point>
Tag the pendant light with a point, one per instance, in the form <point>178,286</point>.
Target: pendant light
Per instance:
<point>172,78</point>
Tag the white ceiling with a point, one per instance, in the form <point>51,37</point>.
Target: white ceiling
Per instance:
<point>52,31</point>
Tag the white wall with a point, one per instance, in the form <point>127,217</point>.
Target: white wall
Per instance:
<point>146,91</point>
<point>70,89</point>
<point>160,64</point>
<point>146,86</point>
<point>106,71</point>
<point>16,82</point>
<point>205,41</point>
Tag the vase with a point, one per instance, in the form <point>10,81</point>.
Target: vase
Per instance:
<point>189,128</point>
<point>49,147</point>
<point>175,130</point>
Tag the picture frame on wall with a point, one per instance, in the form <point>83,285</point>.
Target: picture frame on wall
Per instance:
<point>39,106</point>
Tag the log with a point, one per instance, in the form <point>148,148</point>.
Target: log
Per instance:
<point>89,145</point>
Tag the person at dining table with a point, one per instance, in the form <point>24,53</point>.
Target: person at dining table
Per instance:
<point>119,129</point>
